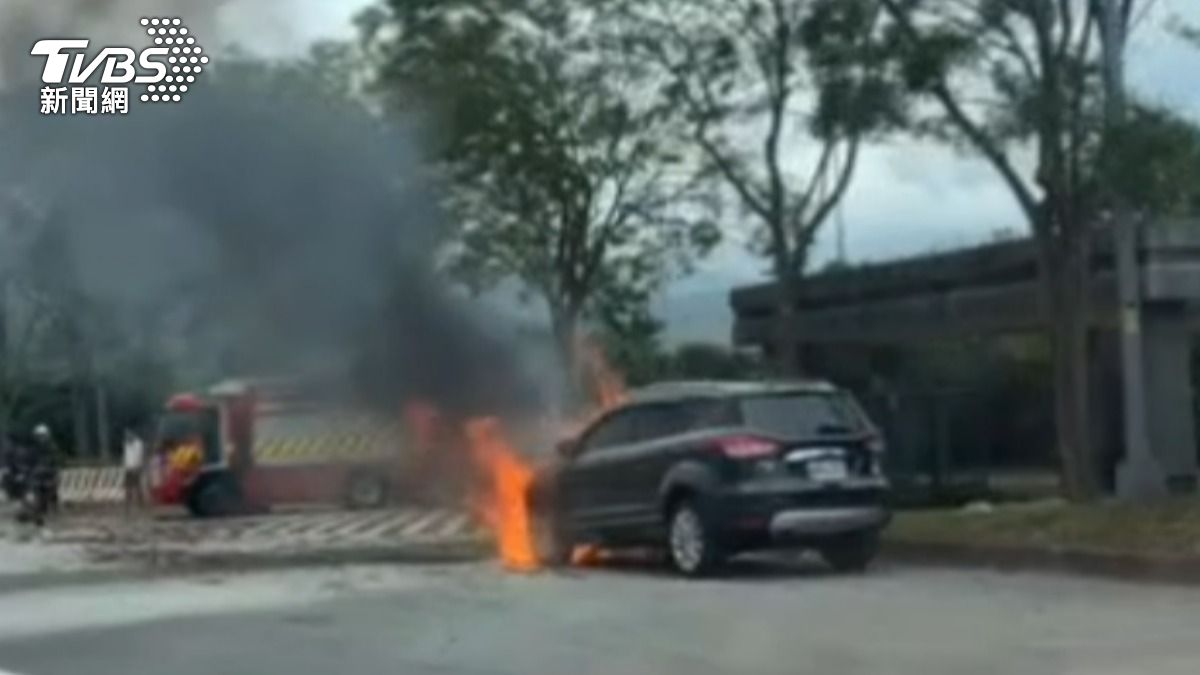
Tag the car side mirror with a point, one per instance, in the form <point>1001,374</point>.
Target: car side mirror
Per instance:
<point>566,448</point>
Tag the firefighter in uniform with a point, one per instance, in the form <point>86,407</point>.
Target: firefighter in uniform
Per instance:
<point>43,475</point>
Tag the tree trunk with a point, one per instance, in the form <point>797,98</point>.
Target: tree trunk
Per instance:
<point>787,357</point>
<point>79,415</point>
<point>565,324</point>
<point>1113,38</point>
<point>103,433</point>
<point>1067,281</point>
<point>81,376</point>
<point>5,371</point>
<point>4,428</point>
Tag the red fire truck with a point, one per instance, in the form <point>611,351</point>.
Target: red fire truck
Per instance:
<point>247,445</point>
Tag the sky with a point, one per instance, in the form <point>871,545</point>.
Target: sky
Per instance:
<point>907,197</point>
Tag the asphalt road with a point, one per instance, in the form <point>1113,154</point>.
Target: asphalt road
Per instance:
<point>475,619</point>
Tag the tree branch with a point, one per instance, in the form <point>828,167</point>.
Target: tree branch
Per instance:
<point>826,206</point>
<point>1067,16</point>
<point>797,217</point>
<point>974,133</point>
<point>703,111</point>
<point>779,91</point>
<point>1076,131</point>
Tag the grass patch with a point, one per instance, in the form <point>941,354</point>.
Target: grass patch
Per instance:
<point>1169,529</point>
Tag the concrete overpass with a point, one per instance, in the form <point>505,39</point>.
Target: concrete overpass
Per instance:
<point>993,289</point>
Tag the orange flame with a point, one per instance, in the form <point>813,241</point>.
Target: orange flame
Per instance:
<point>504,507</point>
<point>501,497</point>
<point>608,386</point>
<point>588,554</point>
<point>608,390</point>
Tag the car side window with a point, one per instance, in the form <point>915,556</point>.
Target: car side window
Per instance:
<point>660,421</point>
<point>680,418</point>
<point>617,429</point>
<point>707,414</point>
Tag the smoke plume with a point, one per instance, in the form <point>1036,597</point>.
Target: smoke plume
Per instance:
<point>106,22</point>
<point>255,230</point>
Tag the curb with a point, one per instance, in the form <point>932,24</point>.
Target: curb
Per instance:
<point>150,565</point>
<point>465,550</point>
<point>1118,566</point>
<point>36,581</point>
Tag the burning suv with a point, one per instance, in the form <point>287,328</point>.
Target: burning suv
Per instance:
<point>710,469</point>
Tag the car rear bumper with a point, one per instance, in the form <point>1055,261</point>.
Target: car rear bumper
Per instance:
<point>753,516</point>
<point>827,521</point>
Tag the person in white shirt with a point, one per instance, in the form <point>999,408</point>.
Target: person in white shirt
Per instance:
<point>135,451</point>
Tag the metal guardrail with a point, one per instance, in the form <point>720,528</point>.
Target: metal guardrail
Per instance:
<point>91,485</point>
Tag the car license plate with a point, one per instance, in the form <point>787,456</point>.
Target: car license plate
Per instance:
<point>827,470</point>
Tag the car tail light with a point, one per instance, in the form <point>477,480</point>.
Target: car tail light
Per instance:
<point>748,447</point>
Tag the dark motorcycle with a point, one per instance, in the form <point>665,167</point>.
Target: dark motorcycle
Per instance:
<point>32,485</point>
<point>13,485</point>
<point>14,477</point>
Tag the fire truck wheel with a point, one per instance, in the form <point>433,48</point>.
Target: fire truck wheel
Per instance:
<point>366,490</point>
<point>216,497</point>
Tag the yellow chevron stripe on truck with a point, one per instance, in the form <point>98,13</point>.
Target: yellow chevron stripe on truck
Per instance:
<point>348,444</point>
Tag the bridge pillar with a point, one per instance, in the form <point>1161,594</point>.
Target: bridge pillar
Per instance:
<point>1169,411</point>
<point>1171,467</point>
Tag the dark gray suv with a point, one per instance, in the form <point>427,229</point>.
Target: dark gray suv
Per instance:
<point>709,469</point>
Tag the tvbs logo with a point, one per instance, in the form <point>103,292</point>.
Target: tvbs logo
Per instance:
<point>168,69</point>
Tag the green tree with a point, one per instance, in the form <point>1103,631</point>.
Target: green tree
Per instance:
<point>557,173</point>
<point>707,361</point>
<point>27,320</point>
<point>632,341</point>
<point>1006,76</point>
<point>778,96</point>
<point>34,309</point>
<point>1158,167</point>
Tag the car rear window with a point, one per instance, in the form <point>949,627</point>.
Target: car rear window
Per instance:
<point>802,415</point>
<point>659,421</point>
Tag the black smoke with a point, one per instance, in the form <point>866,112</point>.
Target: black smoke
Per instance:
<point>258,230</point>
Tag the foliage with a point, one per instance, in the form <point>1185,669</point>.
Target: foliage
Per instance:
<point>1009,76</point>
<point>778,96</point>
<point>1158,171</point>
<point>642,359</point>
<point>557,174</point>
<point>634,348</point>
<point>28,321</point>
<point>707,361</point>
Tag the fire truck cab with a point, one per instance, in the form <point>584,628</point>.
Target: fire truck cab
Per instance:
<point>247,445</point>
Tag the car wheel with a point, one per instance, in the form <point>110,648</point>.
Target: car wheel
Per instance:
<point>366,491</point>
<point>691,542</point>
<point>851,553</point>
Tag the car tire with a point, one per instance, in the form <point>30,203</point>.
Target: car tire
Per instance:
<point>366,490</point>
<point>693,547</point>
<point>852,552</point>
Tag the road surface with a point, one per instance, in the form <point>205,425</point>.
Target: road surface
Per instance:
<point>83,539</point>
<point>475,619</point>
